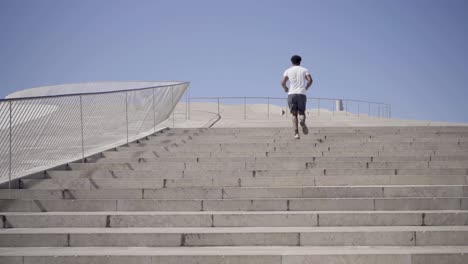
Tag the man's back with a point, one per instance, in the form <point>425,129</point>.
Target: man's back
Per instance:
<point>297,79</point>
<point>297,99</point>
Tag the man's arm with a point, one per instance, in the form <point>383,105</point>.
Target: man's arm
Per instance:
<point>309,81</point>
<point>283,83</point>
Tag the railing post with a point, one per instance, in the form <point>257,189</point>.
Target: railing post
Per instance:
<point>346,107</point>
<point>82,130</point>
<point>189,101</point>
<point>186,104</point>
<point>369,112</point>
<point>318,106</point>
<point>173,109</point>
<point>334,106</point>
<point>358,110</point>
<point>154,113</point>
<point>245,108</point>
<point>268,108</point>
<point>218,104</point>
<point>10,162</point>
<point>126,112</point>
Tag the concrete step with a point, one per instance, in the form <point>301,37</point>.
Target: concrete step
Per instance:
<point>238,255</point>
<point>322,177</point>
<point>150,157</point>
<point>226,143</point>
<point>390,183</point>
<point>421,135</point>
<point>237,147</point>
<point>238,236</point>
<point>321,138</point>
<point>236,218</point>
<point>251,192</point>
<point>307,152</point>
<point>314,138</point>
<point>193,158</point>
<point>133,201</point>
<point>326,172</point>
<point>331,138</point>
<point>247,180</point>
<point>273,165</point>
<point>341,130</point>
<point>297,162</point>
<point>325,134</point>
<point>338,136</point>
<point>264,156</point>
<point>301,168</point>
<point>264,141</point>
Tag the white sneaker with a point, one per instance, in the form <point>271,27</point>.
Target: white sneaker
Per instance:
<point>296,136</point>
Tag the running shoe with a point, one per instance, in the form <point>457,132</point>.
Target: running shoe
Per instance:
<point>305,130</point>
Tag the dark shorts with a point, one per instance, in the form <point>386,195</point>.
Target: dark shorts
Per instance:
<point>297,103</point>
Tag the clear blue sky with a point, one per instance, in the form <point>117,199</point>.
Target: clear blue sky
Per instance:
<point>409,53</point>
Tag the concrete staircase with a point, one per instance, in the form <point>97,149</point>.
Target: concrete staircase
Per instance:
<point>251,195</point>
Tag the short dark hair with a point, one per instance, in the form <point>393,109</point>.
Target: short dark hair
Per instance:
<point>296,60</point>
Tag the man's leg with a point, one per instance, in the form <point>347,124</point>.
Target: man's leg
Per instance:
<point>301,105</point>
<point>302,119</point>
<point>293,109</point>
<point>295,122</point>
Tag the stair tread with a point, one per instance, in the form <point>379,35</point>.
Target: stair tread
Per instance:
<point>236,212</point>
<point>230,250</point>
<point>233,230</point>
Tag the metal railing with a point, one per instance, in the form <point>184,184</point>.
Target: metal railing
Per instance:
<point>38,133</point>
<point>315,105</point>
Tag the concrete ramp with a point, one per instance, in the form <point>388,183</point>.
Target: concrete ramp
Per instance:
<point>362,195</point>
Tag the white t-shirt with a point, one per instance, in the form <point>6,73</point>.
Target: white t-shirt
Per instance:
<point>297,81</point>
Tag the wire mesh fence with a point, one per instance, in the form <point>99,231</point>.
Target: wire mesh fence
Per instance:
<point>252,108</point>
<point>43,132</point>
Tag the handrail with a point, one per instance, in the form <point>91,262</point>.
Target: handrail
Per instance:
<point>383,110</point>
<point>91,93</point>
<point>41,132</point>
<point>218,117</point>
<point>281,98</point>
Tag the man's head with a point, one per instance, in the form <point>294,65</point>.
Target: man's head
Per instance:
<point>296,60</point>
